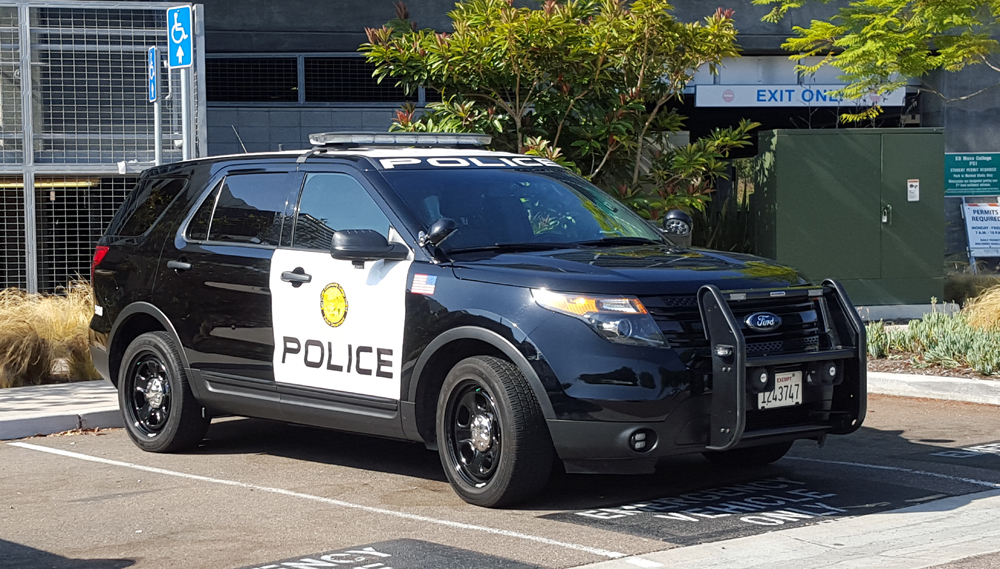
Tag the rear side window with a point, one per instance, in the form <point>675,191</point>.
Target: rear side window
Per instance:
<point>144,206</point>
<point>245,208</point>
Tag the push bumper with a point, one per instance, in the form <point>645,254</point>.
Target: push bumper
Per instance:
<point>717,420</point>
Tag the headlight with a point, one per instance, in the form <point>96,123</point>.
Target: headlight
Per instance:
<point>620,319</point>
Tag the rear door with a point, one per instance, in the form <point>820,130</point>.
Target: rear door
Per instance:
<point>213,284</point>
<point>338,325</point>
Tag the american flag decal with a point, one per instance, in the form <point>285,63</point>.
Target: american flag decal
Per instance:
<point>423,284</point>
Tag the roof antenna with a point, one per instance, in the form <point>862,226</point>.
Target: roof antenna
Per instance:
<point>240,139</point>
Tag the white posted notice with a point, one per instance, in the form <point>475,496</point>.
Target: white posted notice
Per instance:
<point>982,223</point>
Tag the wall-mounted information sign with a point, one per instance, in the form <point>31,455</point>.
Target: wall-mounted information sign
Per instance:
<point>971,174</point>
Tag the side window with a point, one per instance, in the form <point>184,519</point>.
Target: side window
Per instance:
<point>331,202</point>
<point>247,209</point>
<point>198,228</point>
<point>145,205</point>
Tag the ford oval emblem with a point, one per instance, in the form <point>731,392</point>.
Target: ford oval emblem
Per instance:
<point>763,321</point>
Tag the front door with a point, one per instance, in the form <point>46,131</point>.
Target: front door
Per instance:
<point>338,325</point>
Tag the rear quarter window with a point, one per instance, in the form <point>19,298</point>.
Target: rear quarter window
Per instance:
<point>144,206</point>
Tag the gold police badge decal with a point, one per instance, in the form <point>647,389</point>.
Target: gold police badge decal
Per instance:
<point>333,304</point>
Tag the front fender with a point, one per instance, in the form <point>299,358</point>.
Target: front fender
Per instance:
<point>493,339</point>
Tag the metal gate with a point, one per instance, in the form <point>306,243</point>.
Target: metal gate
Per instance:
<point>76,127</point>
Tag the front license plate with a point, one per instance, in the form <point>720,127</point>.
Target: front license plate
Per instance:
<point>787,391</point>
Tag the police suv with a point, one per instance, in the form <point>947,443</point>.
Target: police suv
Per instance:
<point>493,306</point>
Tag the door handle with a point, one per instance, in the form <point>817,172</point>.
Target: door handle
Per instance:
<point>887,214</point>
<point>178,265</point>
<point>295,277</point>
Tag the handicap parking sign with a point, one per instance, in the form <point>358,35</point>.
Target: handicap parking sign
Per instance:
<point>179,42</point>
<point>153,75</point>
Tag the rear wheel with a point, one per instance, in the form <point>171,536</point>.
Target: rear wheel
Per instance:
<point>159,410</point>
<point>492,439</point>
<point>750,456</point>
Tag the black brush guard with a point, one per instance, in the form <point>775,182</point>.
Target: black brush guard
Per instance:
<point>844,342</point>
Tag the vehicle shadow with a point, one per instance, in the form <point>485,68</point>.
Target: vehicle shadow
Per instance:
<point>674,476</point>
<point>17,555</point>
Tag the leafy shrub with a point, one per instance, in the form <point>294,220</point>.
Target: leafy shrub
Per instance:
<point>948,340</point>
<point>37,331</point>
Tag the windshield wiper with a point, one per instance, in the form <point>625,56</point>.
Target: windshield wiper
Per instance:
<point>618,240</point>
<point>512,247</point>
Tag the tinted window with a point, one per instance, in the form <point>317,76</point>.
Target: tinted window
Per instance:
<point>331,202</point>
<point>516,206</point>
<point>198,228</point>
<point>248,209</point>
<point>145,205</point>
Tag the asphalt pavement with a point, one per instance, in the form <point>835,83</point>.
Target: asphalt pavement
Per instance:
<point>265,494</point>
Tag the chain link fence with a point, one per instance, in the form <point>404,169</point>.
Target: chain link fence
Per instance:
<point>76,127</point>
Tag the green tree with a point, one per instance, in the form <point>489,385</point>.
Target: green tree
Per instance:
<point>588,83</point>
<point>880,44</point>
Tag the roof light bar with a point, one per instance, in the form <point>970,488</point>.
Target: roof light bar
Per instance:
<point>398,139</point>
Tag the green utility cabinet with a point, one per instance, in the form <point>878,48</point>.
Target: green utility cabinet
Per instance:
<point>863,206</point>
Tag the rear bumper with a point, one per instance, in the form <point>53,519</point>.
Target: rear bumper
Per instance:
<point>99,355</point>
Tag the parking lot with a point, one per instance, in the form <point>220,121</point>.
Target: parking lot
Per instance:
<point>266,494</point>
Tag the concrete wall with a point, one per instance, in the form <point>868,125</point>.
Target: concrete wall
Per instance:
<point>264,129</point>
<point>239,26</point>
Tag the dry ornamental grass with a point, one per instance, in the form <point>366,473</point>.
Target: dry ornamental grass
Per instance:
<point>983,311</point>
<point>44,338</point>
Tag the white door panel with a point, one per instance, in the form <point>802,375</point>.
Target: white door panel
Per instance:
<point>348,338</point>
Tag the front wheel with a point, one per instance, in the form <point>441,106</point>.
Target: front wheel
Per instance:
<point>159,410</point>
<point>751,456</point>
<point>492,439</point>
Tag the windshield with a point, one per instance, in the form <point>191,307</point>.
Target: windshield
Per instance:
<point>494,208</point>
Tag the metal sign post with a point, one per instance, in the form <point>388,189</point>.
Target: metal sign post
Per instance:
<point>154,92</point>
<point>180,55</point>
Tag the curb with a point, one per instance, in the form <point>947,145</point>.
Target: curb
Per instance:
<point>51,424</point>
<point>49,409</point>
<point>982,391</point>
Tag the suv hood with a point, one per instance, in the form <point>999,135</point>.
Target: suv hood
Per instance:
<point>634,270</point>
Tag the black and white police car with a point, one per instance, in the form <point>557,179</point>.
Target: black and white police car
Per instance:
<point>493,306</point>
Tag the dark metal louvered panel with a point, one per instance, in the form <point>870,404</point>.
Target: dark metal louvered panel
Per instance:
<point>348,80</point>
<point>252,80</point>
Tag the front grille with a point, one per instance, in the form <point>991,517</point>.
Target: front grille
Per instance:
<point>680,322</point>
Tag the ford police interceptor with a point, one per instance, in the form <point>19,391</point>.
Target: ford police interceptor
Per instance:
<point>493,306</point>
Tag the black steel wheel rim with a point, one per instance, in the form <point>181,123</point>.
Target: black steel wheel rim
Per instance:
<point>148,394</point>
<point>473,422</point>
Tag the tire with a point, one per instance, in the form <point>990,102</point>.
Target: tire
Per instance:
<point>158,408</point>
<point>487,400</point>
<point>750,456</point>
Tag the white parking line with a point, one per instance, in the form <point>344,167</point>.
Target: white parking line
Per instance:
<point>899,469</point>
<point>330,501</point>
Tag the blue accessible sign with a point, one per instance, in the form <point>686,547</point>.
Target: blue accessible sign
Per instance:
<point>180,45</point>
<point>153,75</point>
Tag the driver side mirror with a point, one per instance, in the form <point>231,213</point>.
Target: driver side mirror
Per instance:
<point>365,245</point>
<point>678,226</point>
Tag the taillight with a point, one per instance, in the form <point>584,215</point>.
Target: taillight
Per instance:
<point>99,254</point>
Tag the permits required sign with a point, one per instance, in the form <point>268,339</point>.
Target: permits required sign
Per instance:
<point>971,174</point>
<point>982,223</point>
